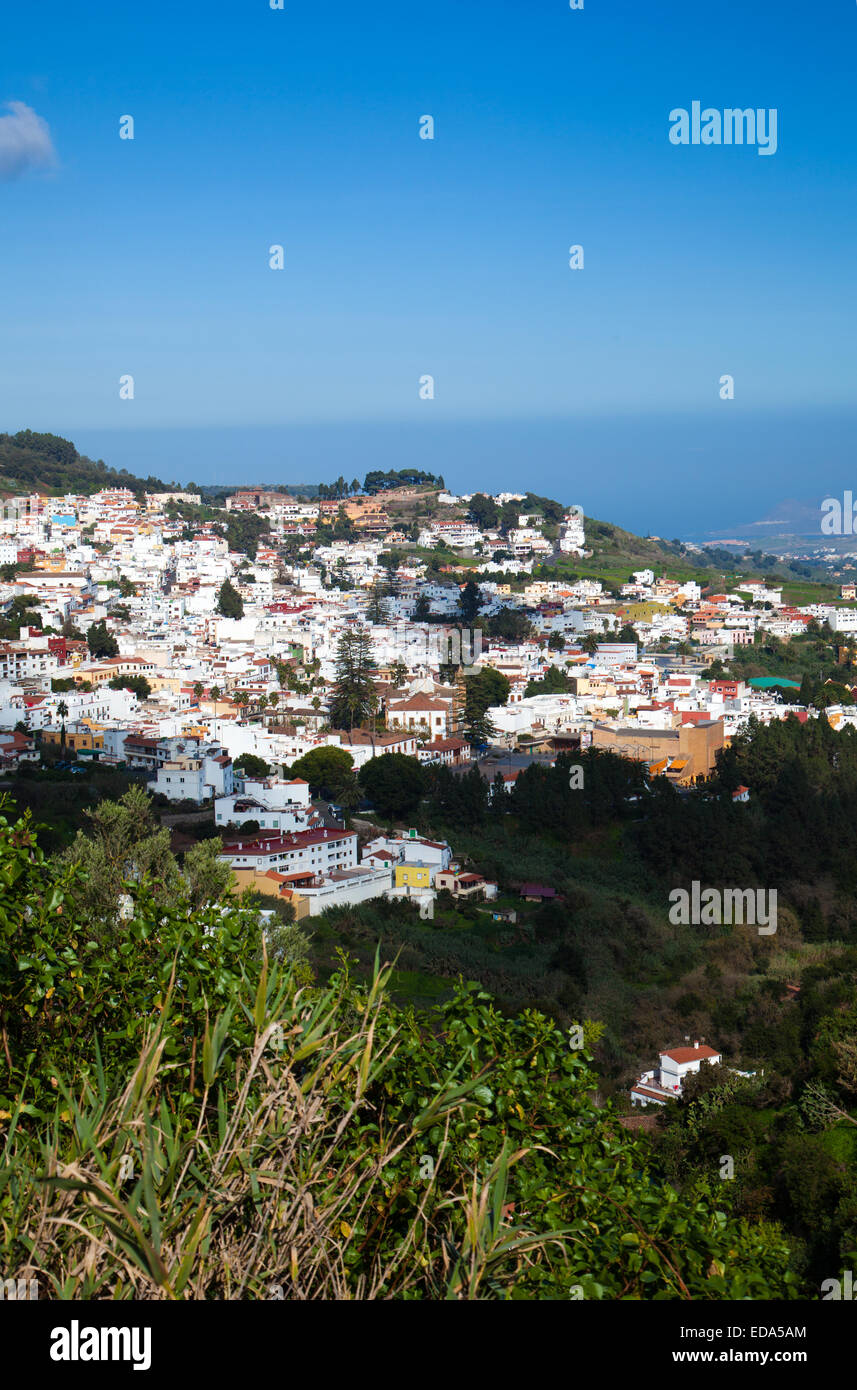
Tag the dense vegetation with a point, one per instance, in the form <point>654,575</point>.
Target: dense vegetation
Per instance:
<point>229,602</point>
<point>32,462</point>
<point>93,937</point>
<point>241,530</point>
<point>784,1005</point>
<point>380,481</point>
<point>184,1117</point>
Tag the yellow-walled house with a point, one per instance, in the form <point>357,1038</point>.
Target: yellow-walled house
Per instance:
<point>412,876</point>
<point>79,738</point>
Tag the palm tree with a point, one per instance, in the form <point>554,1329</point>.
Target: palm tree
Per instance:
<point>242,699</point>
<point>198,690</point>
<point>62,711</point>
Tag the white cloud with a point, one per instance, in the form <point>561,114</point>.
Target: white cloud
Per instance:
<point>25,141</point>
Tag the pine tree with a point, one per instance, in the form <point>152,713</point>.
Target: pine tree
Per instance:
<point>354,698</point>
<point>470,601</point>
<point>375,610</point>
<point>229,603</point>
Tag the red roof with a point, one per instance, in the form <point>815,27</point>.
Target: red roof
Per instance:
<point>655,1092</point>
<point>682,1055</point>
<point>273,844</point>
<point>15,739</point>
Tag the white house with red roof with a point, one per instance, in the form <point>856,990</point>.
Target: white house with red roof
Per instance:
<point>657,1087</point>
<point>321,851</point>
<point>16,747</point>
<point>363,745</point>
<point>448,752</point>
<point>465,885</point>
<point>421,711</point>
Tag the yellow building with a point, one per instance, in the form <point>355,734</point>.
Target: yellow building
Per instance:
<point>79,738</point>
<point>52,563</point>
<point>412,876</point>
<point>273,885</point>
<point>112,666</point>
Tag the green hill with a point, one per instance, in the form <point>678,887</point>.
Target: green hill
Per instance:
<point>215,1124</point>
<point>32,462</point>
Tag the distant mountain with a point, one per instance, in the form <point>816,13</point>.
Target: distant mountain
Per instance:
<point>790,518</point>
<point>46,463</point>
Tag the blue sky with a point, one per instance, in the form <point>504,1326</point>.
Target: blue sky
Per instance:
<point>448,257</point>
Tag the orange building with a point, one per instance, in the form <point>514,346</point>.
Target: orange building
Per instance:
<point>682,754</point>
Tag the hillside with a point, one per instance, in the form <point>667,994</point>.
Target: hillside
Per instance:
<point>36,462</point>
<point>780,1006</point>
<point>46,463</point>
<point>464,1159</point>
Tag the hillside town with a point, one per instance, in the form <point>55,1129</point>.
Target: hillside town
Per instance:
<point>148,643</point>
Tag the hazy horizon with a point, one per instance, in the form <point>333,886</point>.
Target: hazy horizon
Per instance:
<point>404,258</point>
<point>574,461</point>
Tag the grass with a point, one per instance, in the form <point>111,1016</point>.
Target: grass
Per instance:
<point>268,1179</point>
<point>841,1143</point>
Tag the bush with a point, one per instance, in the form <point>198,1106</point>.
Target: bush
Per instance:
<point>397,1163</point>
<point>160,1065</point>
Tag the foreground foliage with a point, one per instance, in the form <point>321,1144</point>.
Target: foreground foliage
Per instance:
<point>186,1120</point>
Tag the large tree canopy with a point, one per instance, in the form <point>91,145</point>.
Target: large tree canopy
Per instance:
<point>393,782</point>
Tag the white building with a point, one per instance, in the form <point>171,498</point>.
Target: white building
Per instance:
<point>523,540</point>
<point>321,851</point>
<point>344,888</point>
<point>461,535</point>
<point>273,803</point>
<point>656,1088</point>
<point>195,778</point>
<point>845,620</point>
<point>408,849</point>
